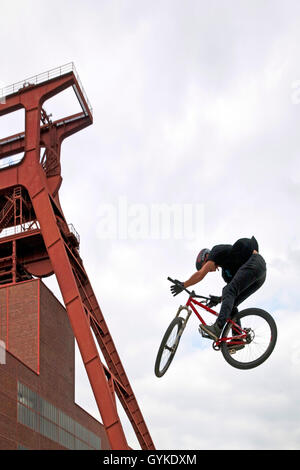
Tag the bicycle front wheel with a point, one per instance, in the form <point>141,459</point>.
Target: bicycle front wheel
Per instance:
<point>168,346</point>
<point>259,343</point>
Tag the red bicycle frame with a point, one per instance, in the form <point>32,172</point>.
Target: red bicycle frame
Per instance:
<point>237,339</point>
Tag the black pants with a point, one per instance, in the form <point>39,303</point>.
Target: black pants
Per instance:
<point>246,281</point>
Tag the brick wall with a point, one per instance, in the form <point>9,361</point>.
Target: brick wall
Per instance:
<point>19,312</point>
<point>57,349</point>
<point>41,352</point>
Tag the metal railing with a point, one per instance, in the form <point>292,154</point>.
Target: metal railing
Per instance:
<point>44,77</point>
<point>74,232</point>
<point>16,229</point>
<point>11,161</point>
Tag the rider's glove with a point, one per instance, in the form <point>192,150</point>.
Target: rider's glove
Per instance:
<point>177,288</point>
<point>214,300</point>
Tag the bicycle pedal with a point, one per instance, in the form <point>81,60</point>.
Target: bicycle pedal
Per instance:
<point>203,334</point>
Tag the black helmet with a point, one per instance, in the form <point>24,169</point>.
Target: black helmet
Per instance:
<point>201,258</point>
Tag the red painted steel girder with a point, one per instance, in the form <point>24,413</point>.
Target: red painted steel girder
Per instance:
<point>81,304</point>
<point>65,127</point>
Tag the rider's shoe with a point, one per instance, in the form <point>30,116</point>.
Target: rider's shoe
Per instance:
<point>213,331</point>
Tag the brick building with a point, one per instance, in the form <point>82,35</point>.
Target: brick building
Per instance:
<point>37,371</point>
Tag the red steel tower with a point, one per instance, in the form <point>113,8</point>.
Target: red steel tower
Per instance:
<point>36,240</point>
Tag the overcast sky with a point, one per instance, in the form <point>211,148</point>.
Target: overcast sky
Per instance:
<point>195,103</point>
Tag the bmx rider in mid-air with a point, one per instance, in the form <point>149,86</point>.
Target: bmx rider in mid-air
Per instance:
<point>243,270</point>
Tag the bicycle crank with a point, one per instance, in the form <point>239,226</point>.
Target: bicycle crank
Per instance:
<point>215,346</point>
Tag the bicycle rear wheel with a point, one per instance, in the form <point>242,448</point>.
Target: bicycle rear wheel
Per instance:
<point>168,346</point>
<point>260,341</point>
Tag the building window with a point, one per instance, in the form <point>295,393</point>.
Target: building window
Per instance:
<point>21,447</point>
<point>48,429</point>
<point>66,439</point>
<point>48,410</point>
<point>66,422</point>
<point>27,417</point>
<point>43,417</point>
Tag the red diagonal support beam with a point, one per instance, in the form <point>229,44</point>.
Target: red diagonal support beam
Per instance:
<point>81,304</point>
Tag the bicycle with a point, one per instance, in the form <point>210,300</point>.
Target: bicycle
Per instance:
<point>247,347</point>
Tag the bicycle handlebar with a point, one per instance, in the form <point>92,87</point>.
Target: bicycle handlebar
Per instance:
<point>192,294</point>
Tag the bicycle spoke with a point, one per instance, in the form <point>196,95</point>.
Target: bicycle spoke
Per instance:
<point>258,340</point>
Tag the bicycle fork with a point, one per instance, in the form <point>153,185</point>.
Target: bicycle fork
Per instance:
<point>184,320</point>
